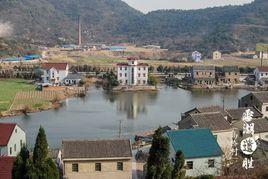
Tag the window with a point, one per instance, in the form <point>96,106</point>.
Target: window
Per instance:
<point>143,74</point>
<point>10,150</point>
<point>139,75</point>
<point>125,68</point>
<point>139,69</point>
<point>16,130</point>
<point>120,166</point>
<point>21,143</point>
<point>266,108</point>
<point>15,147</point>
<point>120,74</point>
<point>139,81</point>
<point>125,74</point>
<point>132,62</point>
<point>75,167</point>
<point>189,164</point>
<point>98,167</point>
<point>120,68</point>
<point>211,163</point>
<point>126,81</point>
<point>144,68</point>
<point>144,82</point>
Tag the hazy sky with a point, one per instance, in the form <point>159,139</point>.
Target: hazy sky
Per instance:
<point>149,5</point>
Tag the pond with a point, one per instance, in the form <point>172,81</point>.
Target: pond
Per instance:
<point>99,114</point>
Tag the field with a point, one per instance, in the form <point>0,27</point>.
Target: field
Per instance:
<point>8,90</point>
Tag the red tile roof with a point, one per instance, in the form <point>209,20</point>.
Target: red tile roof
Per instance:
<point>122,64</point>
<point>57,66</point>
<point>6,131</point>
<point>6,166</point>
<point>131,58</point>
<point>263,69</point>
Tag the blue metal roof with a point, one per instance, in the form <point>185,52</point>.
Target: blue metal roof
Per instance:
<point>195,143</point>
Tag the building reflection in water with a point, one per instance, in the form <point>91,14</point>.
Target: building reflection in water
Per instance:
<point>132,103</point>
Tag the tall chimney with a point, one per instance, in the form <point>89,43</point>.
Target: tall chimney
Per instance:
<point>79,32</point>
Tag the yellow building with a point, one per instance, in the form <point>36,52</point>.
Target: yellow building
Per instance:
<point>100,159</point>
<point>216,55</point>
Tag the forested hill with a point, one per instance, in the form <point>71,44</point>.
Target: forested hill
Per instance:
<point>228,28</point>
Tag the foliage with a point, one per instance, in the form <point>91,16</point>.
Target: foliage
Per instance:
<point>152,80</point>
<point>158,164</point>
<point>205,177</point>
<point>39,166</point>
<point>178,172</point>
<point>110,80</point>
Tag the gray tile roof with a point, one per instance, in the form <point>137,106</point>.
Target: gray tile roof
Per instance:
<point>96,148</point>
<point>261,96</point>
<point>236,114</point>
<point>208,109</point>
<point>261,125</point>
<point>73,76</point>
<point>230,69</point>
<point>205,68</point>
<point>212,120</point>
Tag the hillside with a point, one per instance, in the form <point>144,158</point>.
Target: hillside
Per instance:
<point>51,22</point>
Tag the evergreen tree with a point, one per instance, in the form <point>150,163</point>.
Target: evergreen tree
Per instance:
<point>43,166</point>
<point>158,165</point>
<point>178,172</point>
<point>20,169</point>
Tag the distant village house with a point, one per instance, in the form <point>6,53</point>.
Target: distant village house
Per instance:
<point>216,55</point>
<point>196,56</point>
<point>203,75</point>
<point>72,79</point>
<point>229,75</point>
<point>54,73</point>
<point>261,75</point>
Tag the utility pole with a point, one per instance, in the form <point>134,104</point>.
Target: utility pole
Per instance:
<point>223,103</point>
<point>120,128</point>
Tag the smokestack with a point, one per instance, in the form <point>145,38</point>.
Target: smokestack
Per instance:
<point>79,32</point>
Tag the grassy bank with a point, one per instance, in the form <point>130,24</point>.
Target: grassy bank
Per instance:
<point>8,90</point>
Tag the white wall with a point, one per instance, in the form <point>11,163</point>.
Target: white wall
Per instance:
<point>259,75</point>
<point>140,74</point>
<point>263,110</point>
<point>224,139</point>
<point>59,75</point>
<point>200,165</point>
<point>14,143</point>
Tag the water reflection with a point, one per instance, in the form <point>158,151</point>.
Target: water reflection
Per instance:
<point>132,103</point>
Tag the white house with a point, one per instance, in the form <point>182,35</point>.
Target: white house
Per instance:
<point>216,55</point>
<point>203,155</point>
<point>196,56</point>
<point>261,75</point>
<point>12,139</point>
<point>54,73</point>
<point>132,72</point>
<point>72,79</point>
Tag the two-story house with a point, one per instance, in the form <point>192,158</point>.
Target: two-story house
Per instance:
<point>261,75</point>
<point>257,99</point>
<point>132,73</point>
<point>229,75</point>
<point>203,75</point>
<point>203,155</point>
<point>98,159</point>
<point>12,139</point>
<point>54,73</point>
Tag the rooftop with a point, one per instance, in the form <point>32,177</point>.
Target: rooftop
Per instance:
<point>228,69</point>
<point>210,68</point>
<point>263,69</point>
<point>73,76</point>
<point>57,66</point>
<point>6,132</point>
<point>6,166</point>
<point>236,114</point>
<point>212,120</point>
<point>261,96</point>
<point>195,143</point>
<point>96,149</point>
<point>261,125</point>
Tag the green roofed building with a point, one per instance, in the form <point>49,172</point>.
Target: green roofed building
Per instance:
<point>202,153</point>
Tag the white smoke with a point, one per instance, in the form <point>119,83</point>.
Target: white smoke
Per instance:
<point>6,29</point>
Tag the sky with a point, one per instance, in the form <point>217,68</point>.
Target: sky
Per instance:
<point>150,5</point>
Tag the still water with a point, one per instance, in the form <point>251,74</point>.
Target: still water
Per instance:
<point>98,115</point>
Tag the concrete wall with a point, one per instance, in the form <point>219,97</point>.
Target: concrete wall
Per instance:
<point>16,142</point>
<point>232,77</point>
<point>224,139</point>
<point>108,169</point>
